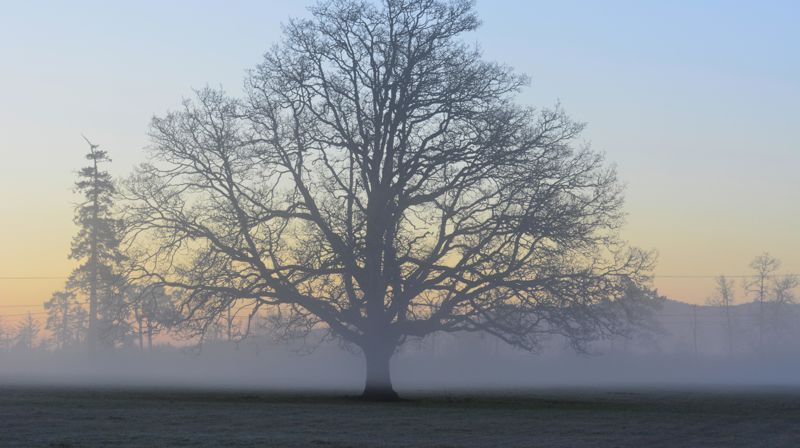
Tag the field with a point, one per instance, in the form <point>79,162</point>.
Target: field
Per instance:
<point>63,417</point>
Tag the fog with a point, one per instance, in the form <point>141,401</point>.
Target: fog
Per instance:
<point>663,355</point>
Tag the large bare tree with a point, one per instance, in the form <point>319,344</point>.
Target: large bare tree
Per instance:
<point>379,182</point>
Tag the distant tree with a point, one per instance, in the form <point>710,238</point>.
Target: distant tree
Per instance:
<point>379,182</point>
<point>5,338</point>
<point>27,333</point>
<point>781,316</point>
<point>153,311</point>
<point>97,246</point>
<point>232,326</point>
<point>783,289</point>
<point>66,319</point>
<point>724,297</point>
<point>764,266</point>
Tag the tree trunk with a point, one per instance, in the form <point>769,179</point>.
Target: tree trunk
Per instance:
<point>141,334</point>
<point>149,336</point>
<point>729,329</point>
<point>378,384</point>
<point>92,337</point>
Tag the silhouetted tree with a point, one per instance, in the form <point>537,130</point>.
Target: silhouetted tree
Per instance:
<point>153,311</point>
<point>379,182</point>
<point>27,333</point>
<point>725,297</point>
<point>781,316</point>
<point>97,246</point>
<point>783,289</point>
<point>765,266</point>
<point>5,336</point>
<point>66,319</point>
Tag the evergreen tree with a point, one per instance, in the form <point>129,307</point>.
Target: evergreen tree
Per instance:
<point>66,319</point>
<point>97,247</point>
<point>27,333</point>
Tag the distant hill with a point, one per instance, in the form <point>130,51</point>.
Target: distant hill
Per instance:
<point>684,327</point>
<point>676,327</point>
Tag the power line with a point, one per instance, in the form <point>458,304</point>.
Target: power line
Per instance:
<point>81,302</point>
<point>30,277</point>
<point>716,276</point>
<point>22,306</point>
<point>33,277</point>
<point>38,313</point>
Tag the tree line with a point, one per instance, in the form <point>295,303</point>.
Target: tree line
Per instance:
<point>772,292</point>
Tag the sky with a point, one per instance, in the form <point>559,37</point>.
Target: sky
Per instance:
<point>695,102</point>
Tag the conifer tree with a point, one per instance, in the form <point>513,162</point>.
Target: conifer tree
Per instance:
<point>97,247</point>
<point>66,319</point>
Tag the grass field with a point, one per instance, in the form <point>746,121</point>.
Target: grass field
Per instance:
<point>75,417</point>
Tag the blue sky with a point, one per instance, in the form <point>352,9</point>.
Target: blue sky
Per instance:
<point>695,101</point>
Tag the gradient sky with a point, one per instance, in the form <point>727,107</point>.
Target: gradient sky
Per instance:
<point>696,102</point>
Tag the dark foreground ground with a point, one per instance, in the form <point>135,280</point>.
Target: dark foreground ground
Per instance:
<point>31,417</point>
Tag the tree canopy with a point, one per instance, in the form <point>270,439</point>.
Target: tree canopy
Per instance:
<point>379,181</point>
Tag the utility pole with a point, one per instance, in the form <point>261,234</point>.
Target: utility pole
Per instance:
<point>694,328</point>
<point>230,324</point>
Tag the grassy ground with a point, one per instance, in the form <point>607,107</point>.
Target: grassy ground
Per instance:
<point>31,417</point>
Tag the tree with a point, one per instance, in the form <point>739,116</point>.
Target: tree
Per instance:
<point>97,246</point>
<point>781,316</point>
<point>783,289</point>
<point>153,311</point>
<point>379,182</point>
<point>5,337</point>
<point>724,297</point>
<point>66,319</point>
<point>27,332</point>
<point>765,266</point>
